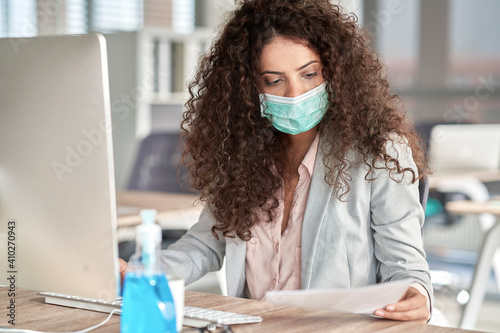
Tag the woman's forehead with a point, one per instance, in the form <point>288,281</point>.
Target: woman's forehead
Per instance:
<point>282,52</point>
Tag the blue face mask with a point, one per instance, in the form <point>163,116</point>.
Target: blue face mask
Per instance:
<point>294,115</point>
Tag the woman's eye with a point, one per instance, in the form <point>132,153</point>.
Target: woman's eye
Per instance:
<point>311,75</point>
<point>273,83</point>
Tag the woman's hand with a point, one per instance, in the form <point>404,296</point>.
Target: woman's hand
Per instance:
<point>411,307</point>
<point>123,269</point>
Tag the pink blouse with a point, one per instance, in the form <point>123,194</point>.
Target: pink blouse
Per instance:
<point>273,258</point>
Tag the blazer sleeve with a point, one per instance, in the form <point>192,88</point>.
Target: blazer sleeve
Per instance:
<point>197,252</point>
<point>397,217</point>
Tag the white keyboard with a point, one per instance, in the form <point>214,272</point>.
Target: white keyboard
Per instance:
<point>220,317</point>
<point>193,316</point>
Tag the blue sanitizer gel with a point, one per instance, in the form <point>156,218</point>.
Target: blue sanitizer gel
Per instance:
<point>148,305</point>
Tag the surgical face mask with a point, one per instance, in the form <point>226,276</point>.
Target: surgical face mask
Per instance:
<point>294,115</point>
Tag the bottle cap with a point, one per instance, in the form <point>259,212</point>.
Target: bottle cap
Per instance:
<point>148,216</point>
<point>148,231</point>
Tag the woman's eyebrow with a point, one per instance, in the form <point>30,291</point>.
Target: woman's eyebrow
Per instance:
<point>271,72</point>
<point>298,69</point>
<point>309,63</point>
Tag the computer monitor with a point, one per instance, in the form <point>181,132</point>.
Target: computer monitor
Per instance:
<point>465,148</point>
<point>57,190</point>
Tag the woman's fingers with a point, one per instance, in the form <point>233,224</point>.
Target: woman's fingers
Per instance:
<point>411,307</point>
<point>413,315</point>
<point>123,269</point>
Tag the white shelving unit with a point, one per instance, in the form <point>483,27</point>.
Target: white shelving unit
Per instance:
<point>149,72</point>
<point>166,62</point>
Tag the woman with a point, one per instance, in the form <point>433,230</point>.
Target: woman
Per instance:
<point>306,162</point>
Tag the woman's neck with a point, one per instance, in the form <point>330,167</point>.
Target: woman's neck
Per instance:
<point>296,146</point>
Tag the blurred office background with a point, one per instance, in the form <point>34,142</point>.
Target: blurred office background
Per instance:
<point>442,57</point>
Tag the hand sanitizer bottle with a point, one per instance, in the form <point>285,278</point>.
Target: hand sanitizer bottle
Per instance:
<point>148,305</point>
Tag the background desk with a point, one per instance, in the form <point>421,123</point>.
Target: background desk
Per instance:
<point>33,313</point>
<point>483,176</point>
<point>175,211</point>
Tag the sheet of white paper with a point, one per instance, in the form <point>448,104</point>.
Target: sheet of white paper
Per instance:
<point>360,300</point>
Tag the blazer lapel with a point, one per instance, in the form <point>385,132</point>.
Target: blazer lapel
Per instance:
<point>320,194</point>
<point>235,266</point>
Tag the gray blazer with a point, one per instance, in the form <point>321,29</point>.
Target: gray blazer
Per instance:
<point>373,235</point>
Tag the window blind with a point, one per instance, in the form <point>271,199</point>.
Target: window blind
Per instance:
<point>158,13</point>
<point>116,15</point>
<point>76,16</point>
<point>183,16</point>
<point>18,18</point>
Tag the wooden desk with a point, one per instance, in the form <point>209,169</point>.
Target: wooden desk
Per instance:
<point>471,207</point>
<point>483,176</point>
<point>33,313</point>
<point>175,211</point>
<point>489,256</point>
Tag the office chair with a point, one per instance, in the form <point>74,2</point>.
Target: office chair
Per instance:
<point>157,167</point>
<point>423,191</point>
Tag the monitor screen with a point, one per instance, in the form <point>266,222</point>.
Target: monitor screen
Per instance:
<point>463,148</point>
<point>57,190</point>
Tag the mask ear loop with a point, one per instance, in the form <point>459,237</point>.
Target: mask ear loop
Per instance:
<point>262,97</point>
<point>263,107</point>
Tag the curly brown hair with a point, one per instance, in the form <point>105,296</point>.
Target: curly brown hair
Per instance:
<point>231,150</point>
